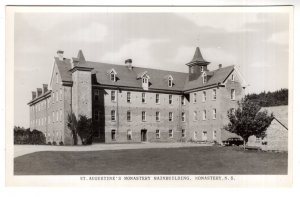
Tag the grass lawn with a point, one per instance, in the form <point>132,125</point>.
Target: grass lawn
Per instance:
<point>192,160</point>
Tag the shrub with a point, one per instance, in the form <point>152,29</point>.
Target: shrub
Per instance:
<point>61,143</point>
<point>54,143</point>
<point>49,143</point>
<point>25,136</point>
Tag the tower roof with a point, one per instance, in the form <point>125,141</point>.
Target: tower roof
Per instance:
<point>198,59</point>
<point>80,56</point>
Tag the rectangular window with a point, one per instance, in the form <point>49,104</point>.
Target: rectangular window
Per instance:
<point>157,100</point>
<point>61,115</point>
<point>129,135</point>
<point>96,95</point>
<point>56,77</point>
<point>214,113</point>
<point>53,97</point>
<point>203,96</point>
<point>143,116</point>
<point>195,135</point>
<point>60,94</point>
<point>195,115</point>
<point>183,117</point>
<point>157,116</point>
<point>183,133</point>
<point>232,94</point>
<point>128,115</point>
<point>195,98</point>
<point>204,135</point>
<point>96,115</point>
<point>170,133</point>
<point>57,116</point>
<point>128,97</point>
<point>48,103</point>
<point>215,135</point>
<point>57,96</point>
<point>143,97</point>
<point>170,116</point>
<point>214,94</point>
<point>170,99</point>
<point>113,134</point>
<point>113,95</point>
<point>232,77</point>
<point>157,134</point>
<point>204,115</point>
<point>113,115</point>
<point>182,100</point>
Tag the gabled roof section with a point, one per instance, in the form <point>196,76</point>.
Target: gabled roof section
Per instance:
<point>112,71</point>
<point>142,75</point>
<point>64,67</point>
<point>280,114</point>
<point>216,76</point>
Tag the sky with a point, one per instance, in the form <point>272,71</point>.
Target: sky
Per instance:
<point>256,42</point>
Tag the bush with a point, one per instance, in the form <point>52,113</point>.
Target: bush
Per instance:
<point>49,143</point>
<point>54,143</point>
<point>61,143</point>
<point>25,136</point>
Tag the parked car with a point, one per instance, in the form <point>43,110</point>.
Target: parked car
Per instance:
<point>234,141</point>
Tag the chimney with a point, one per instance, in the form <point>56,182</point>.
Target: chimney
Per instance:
<point>33,95</point>
<point>39,92</point>
<point>128,63</point>
<point>60,55</point>
<point>220,66</point>
<point>45,88</point>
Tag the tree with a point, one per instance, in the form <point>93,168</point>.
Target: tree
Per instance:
<point>72,125</point>
<point>248,120</point>
<point>82,128</point>
<point>85,129</point>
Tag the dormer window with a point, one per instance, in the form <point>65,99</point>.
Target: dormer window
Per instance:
<point>204,78</point>
<point>170,81</point>
<point>232,77</point>
<point>112,75</point>
<point>145,80</point>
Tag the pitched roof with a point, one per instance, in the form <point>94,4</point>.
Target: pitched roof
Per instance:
<point>280,113</point>
<point>215,76</point>
<point>198,58</point>
<point>130,77</point>
<point>64,67</point>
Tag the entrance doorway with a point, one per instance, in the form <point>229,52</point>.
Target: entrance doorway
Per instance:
<point>143,135</point>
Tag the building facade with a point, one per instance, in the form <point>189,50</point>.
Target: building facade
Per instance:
<point>135,104</point>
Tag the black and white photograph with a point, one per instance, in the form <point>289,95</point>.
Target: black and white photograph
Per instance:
<point>150,94</point>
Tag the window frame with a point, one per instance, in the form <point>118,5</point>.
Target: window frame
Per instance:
<point>171,132</point>
<point>195,116</point>
<point>129,135</point>
<point>144,97</point>
<point>157,98</point>
<point>96,95</point>
<point>171,116</point>
<point>112,76</point>
<point>232,94</point>
<point>144,116</point>
<point>214,114</point>
<point>113,96</point>
<point>157,134</point>
<point>170,81</point>
<point>214,94</point>
<point>113,117</point>
<point>183,133</point>
<point>157,116</point>
<point>128,116</point>
<point>204,97</point>
<point>128,97</point>
<point>204,115</point>
<point>194,97</point>
<point>170,99</point>
<point>183,116</point>
<point>113,134</point>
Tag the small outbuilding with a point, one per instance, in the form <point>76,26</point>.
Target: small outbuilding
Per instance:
<point>276,134</point>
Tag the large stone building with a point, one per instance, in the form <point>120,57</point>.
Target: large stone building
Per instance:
<point>134,104</point>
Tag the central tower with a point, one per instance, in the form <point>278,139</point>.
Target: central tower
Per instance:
<point>197,65</point>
